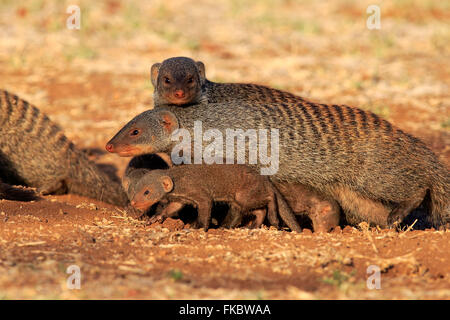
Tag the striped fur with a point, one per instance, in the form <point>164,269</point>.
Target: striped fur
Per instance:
<point>35,152</point>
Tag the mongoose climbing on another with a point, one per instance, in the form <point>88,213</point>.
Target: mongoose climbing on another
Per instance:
<point>182,81</point>
<point>201,185</point>
<point>35,152</point>
<point>375,171</point>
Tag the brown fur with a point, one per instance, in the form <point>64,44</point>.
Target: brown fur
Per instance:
<point>201,185</point>
<point>323,211</point>
<point>324,147</point>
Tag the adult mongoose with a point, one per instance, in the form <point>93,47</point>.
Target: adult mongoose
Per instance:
<point>201,185</point>
<point>35,152</point>
<point>182,81</point>
<point>375,171</point>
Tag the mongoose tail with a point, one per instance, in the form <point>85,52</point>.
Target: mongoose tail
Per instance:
<point>8,192</point>
<point>86,179</point>
<point>35,152</point>
<point>285,212</point>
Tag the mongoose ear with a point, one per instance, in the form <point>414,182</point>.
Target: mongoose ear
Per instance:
<point>167,183</point>
<point>201,69</point>
<point>169,121</point>
<point>154,73</point>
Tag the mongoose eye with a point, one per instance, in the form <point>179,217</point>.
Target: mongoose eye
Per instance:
<point>166,80</point>
<point>135,132</point>
<point>146,193</point>
<point>190,80</point>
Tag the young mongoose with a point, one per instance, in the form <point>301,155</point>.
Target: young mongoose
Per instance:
<point>323,212</point>
<point>35,152</point>
<point>138,167</point>
<point>375,171</point>
<point>201,185</point>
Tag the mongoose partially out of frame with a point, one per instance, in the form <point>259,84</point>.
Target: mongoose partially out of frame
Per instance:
<point>35,152</point>
<point>201,185</point>
<point>375,171</point>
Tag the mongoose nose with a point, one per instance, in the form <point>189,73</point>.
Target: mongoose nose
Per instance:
<point>109,147</point>
<point>179,94</point>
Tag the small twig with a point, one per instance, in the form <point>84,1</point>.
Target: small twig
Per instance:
<point>408,229</point>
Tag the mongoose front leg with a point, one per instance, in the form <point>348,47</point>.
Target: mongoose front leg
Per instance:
<point>259,216</point>
<point>404,208</point>
<point>204,207</point>
<point>233,217</point>
<point>169,211</point>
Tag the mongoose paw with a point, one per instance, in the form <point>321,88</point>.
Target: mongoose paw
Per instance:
<point>53,187</point>
<point>157,218</point>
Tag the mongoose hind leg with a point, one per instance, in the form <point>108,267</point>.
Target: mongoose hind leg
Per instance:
<point>358,209</point>
<point>405,207</point>
<point>204,207</point>
<point>233,217</point>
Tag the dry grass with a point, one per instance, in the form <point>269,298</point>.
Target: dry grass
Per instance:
<point>93,80</point>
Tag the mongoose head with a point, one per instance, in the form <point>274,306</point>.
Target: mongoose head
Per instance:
<point>178,81</point>
<point>129,181</point>
<point>151,189</point>
<point>148,132</point>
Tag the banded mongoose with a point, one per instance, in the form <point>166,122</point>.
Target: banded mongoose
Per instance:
<point>35,152</point>
<point>323,212</point>
<point>138,167</point>
<point>201,185</point>
<point>182,81</point>
<point>375,171</point>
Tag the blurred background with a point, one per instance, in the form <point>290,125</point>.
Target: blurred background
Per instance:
<point>93,80</point>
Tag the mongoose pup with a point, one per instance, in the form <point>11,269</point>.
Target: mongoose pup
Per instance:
<point>141,165</point>
<point>201,185</point>
<point>35,152</point>
<point>375,171</point>
<point>138,167</point>
<point>323,212</point>
<point>182,81</point>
